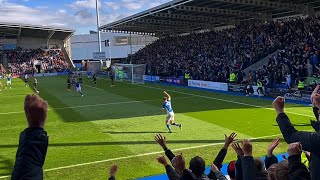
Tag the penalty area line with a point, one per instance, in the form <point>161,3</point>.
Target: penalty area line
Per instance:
<point>224,100</point>
<point>141,155</point>
<point>96,105</point>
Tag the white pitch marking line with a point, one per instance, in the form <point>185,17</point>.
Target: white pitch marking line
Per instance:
<point>140,155</point>
<point>95,105</point>
<point>224,100</point>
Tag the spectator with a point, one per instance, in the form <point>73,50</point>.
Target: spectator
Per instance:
<point>33,143</point>
<point>113,172</point>
<point>310,141</point>
<point>214,55</point>
<point>197,164</point>
<point>31,60</point>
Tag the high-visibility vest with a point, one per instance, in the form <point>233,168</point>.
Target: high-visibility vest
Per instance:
<point>259,85</point>
<point>304,160</point>
<point>232,77</point>
<point>301,85</point>
<point>187,75</point>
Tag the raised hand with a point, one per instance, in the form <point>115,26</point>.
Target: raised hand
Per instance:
<point>278,105</point>
<point>162,160</point>
<point>36,110</point>
<point>113,170</point>
<point>247,147</point>
<point>161,140</point>
<point>214,168</point>
<point>236,147</point>
<point>272,146</point>
<point>315,99</point>
<point>229,139</point>
<point>294,149</point>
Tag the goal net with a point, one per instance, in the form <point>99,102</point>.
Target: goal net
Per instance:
<point>129,72</point>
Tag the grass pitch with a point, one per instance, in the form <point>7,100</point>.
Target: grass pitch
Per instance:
<point>117,125</point>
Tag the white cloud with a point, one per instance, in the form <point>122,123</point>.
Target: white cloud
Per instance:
<point>133,6</point>
<point>112,5</point>
<point>85,4</point>
<point>81,16</point>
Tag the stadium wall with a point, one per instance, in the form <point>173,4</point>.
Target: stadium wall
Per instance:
<point>34,43</point>
<point>83,46</point>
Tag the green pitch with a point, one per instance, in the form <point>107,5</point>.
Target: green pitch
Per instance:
<point>117,125</point>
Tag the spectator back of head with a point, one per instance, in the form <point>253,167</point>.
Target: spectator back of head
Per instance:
<point>197,166</point>
<point>279,171</point>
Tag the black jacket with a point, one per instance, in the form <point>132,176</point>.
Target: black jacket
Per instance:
<point>310,142</point>
<point>31,154</point>
<point>270,160</point>
<point>249,172</point>
<point>217,161</point>
<point>297,170</point>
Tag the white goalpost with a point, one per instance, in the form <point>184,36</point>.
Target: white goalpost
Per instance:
<point>129,72</point>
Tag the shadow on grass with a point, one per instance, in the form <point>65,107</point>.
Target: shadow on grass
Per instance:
<point>301,124</point>
<point>76,144</point>
<point>102,102</point>
<point>137,132</point>
<point>6,166</point>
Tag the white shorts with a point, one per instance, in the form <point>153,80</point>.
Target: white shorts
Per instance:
<point>8,82</point>
<point>78,89</point>
<point>170,116</point>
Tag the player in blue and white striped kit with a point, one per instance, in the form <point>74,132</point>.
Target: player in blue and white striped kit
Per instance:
<point>170,114</point>
<point>78,88</point>
<point>8,81</point>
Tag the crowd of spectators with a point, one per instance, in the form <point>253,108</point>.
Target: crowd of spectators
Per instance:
<point>32,60</point>
<point>297,57</point>
<point>33,145</point>
<point>214,55</point>
<point>246,167</point>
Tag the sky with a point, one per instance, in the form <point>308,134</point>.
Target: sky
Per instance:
<point>76,14</point>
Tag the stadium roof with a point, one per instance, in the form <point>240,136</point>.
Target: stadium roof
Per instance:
<point>9,30</point>
<point>184,16</point>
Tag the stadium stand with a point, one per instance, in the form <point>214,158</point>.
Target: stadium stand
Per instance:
<point>25,61</point>
<point>28,48</point>
<point>212,55</point>
<point>210,40</point>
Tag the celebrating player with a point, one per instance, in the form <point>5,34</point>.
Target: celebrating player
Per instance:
<point>170,114</point>
<point>8,81</point>
<point>35,83</point>
<point>78,88</point>
<point>26,80</point>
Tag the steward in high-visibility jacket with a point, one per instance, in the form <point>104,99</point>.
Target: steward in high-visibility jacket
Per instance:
<point>260,88</point>
<point>232,78</point>
<point>187,75</point>
<point>300,85</point>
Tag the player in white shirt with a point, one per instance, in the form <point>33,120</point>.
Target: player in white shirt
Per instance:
<point>78,88</point>
<point>35,85</point>
<point>8,81</point>
<point>26,80</point>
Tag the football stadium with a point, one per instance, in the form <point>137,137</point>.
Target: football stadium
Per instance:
<point>189,89</point>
